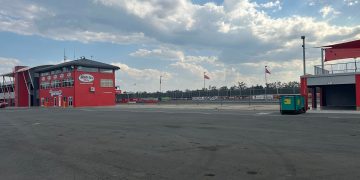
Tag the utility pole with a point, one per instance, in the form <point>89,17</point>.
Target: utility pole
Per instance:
<point>303,46</point>
<point>266,82</point>
<point>160,83</point>
<point>322,61</point>
<point>204,81</point>
<point>64,55</point>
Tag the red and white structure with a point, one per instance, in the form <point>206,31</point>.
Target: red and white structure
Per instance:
<point>78,83</point>
<point>338,85</point>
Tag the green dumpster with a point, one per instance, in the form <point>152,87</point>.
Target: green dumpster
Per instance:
<point>293,104</point>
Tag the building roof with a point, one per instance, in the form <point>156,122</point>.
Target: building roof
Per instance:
<point>25,68</point>
<point>344,50</point>
<point>80,62</point>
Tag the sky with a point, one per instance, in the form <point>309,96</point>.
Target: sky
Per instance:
<point>231,40</point>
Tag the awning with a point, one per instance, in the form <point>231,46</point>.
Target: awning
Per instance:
<point>332,54</point>
<point>342,50</point>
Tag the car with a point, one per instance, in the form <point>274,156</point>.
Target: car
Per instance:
<point>3,104</point>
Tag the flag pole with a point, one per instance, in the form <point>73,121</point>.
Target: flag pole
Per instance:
<point>160,83</point>
<point>204,81</point>
<point>265,83</point>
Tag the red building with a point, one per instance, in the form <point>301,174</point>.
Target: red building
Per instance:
<point>335,85</point>
<point>77,83</point>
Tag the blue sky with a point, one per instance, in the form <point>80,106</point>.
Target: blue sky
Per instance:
<point>231,40</point>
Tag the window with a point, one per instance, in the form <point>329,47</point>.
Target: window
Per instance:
<point>106,70</point>
<point>45,74</point>
<point>106,83</point>
<point>87,69</point>
<point>55,84</point>
<point>68,82</point>
<point>66,69</point>
<point>45,85</point>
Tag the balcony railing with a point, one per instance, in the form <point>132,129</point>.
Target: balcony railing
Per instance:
<point>350,67</point>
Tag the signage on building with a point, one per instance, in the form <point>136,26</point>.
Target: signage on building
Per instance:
<point>55,93</point>
<point>86,78</point>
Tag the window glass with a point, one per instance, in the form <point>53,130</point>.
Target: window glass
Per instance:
<point>106,70</point>
<point>66,69</point>
<point>45,85</point>
<point>68,82</point>
<point>87,69</point>
<point>106,83</point>
<point>45,74</point>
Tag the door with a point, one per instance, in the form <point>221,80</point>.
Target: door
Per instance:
<point>59,101</point>
<point>55,102</point>
<point>70,100</point>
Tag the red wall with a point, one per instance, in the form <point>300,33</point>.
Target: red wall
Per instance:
<point>357,87</point>
<point>66,91</point>
<point>21,92</point>
<point>101,97</point>
<point>82,96</point>
<point>304,90</point>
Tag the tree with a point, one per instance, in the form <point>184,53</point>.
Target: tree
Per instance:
<point>224,88</point>
<point>233,88</point>
<point>241,85</point>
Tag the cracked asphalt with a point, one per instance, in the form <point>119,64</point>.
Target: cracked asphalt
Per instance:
<point>157,143</point>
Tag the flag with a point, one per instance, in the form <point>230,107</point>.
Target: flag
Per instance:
<point>206,77</point>
<point>267,71</point>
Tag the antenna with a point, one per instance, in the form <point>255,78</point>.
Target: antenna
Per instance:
<point>64,55</point>
<point>74,53</point>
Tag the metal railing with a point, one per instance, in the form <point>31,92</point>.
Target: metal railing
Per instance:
<point>236,95</point>
<point>350,67</point>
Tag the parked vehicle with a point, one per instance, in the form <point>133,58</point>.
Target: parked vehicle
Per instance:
<point>3,104</point>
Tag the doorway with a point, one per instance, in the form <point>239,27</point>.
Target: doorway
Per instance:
<point>70,101</point>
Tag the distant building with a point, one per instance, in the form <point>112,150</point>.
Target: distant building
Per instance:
<point>77,83</point>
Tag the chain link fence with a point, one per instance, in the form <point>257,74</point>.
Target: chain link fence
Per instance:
<point>252,94</point>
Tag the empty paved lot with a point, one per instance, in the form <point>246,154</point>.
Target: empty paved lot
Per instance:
<point>158,143</point>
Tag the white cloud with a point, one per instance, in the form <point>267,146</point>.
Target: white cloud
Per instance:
<point>351,2</point>
<point>162,52</point>
<point>175,55</point>
<point>233,33</point>
<point>328,10</point>
<point>134,79</point>
<point>272,4</point>
<point>8,64</point>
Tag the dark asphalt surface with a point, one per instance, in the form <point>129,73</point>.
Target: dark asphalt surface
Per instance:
<point>123,143</point>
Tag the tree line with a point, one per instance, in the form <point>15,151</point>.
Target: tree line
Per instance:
<point>240,89</point>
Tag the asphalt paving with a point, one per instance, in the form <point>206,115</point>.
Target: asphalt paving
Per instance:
<point>173,143</point>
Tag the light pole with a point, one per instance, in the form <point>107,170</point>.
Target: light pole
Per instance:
<point>160,83</point>
<point>322,61</point>
<point>303,46</point>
